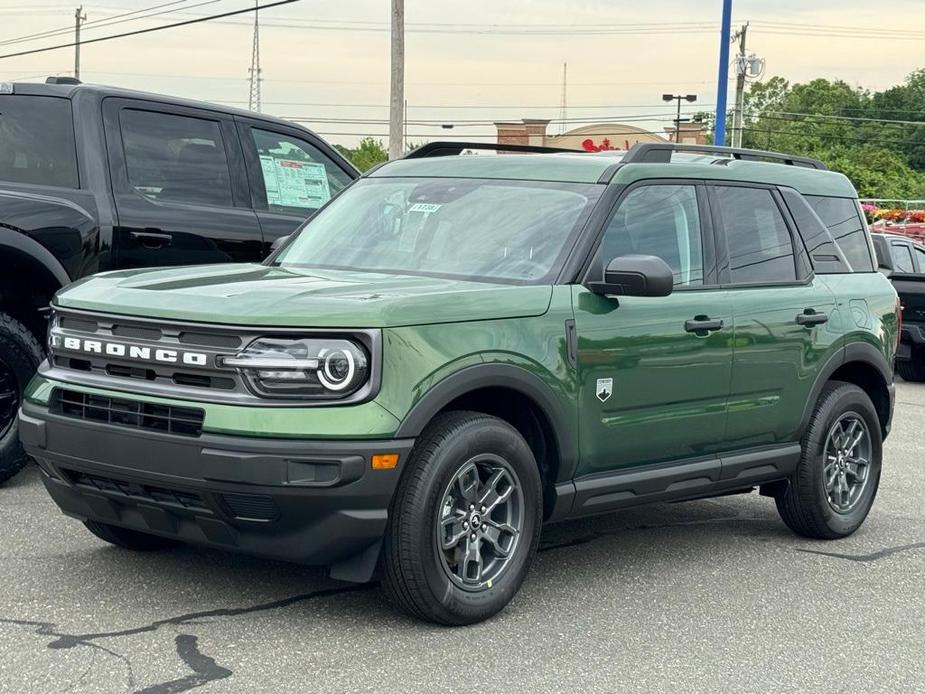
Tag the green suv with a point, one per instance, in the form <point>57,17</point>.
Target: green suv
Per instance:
<point>458,349</point>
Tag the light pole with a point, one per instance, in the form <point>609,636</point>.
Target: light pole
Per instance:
<point>690,98</point>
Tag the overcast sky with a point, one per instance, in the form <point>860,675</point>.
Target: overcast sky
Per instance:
<point>468,62</point>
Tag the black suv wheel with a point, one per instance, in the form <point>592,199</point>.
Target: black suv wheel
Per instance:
<point>465,521</point>
<point>836,481</point>
<point>20,354</point>
<point>911,370</point>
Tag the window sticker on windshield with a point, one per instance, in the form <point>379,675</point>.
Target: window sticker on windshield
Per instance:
<point>424,207</point>
<point>293,183</point>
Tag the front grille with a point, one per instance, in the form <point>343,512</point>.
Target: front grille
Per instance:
<point>138,492</point>
<point>184,421</point>
<point>135,344</point>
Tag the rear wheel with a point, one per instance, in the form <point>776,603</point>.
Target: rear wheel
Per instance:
<point>20,355</point>
<point>836,480</point>
<point>911,370</point>
<point>465,521</point>
<point>128,539</point>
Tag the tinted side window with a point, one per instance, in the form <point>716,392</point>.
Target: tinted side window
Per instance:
<point>848,229</point>
<point>663,221</point>
<point>37,141</point>
<point>826,256</point>
<point>759,243</point>
<point>174,158</point>
<point>297,176</point>
<point>920,257</point>
<point>902,258</point>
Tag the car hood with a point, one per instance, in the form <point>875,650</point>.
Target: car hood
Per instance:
<point>250,294</point>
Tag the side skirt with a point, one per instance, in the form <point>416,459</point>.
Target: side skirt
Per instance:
<point>677,481</point>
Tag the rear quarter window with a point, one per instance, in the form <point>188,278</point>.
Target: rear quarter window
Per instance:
<point>844,221</point>
<point>37,141</point>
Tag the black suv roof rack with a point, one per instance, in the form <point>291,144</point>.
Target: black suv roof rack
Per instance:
<point>660,153</point>
<point>445,149</point>
<point>62,79</point>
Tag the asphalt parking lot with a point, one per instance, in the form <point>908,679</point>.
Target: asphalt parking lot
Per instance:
<point>703,596</point>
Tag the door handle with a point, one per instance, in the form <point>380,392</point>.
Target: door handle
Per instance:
<point>702,324</point>
<point>152,238</point>
<point>809,317</point>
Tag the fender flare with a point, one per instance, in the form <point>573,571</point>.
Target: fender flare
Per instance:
<point>37,252</point>
<point>509,376</point>
<point>863,352</point>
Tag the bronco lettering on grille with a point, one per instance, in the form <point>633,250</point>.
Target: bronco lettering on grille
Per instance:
<point>118,349</point>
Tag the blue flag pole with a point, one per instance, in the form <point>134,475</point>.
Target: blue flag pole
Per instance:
<point>720,127</point>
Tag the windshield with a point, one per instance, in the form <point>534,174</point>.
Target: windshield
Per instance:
<point>480,229</point>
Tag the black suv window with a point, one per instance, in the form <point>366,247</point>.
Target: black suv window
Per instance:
<point>176,158</point>
<point>659,220</point>
<point>844,221</point>
<point>920,257</point>
<point>902,258</point>
<point>759,243</point>
<point>37,141</point>
<point>296,175</point>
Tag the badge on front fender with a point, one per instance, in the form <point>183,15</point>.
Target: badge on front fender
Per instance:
<point>604,389</point>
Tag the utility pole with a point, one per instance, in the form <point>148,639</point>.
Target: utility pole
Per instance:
<point>79,18</point>
<point>397,86</point>
<point>253,98</point>
<point>563,108</point>
<point>741,69</point>
<point>719,137</point>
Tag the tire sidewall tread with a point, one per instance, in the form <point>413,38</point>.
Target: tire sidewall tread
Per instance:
<point>414,577</point>
<point>21,350</point>
<point>804,506</point>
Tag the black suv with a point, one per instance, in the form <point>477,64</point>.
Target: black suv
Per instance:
<point>98,178</point>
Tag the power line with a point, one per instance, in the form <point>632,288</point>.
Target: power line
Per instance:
<point>441,83</point>
<point>148,30</point>
<point>98,23</point>
<point>460,107</point>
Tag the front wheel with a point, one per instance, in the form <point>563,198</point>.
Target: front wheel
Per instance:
<point>20,354</point>
<point>465,521</point>
<point>836,480</point>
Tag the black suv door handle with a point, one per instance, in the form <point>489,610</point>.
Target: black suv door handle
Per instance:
<point>810,317</point>
<point>702,324</point>
<point>152,238</point>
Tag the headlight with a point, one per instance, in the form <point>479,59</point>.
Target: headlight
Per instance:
<point>307,368</point>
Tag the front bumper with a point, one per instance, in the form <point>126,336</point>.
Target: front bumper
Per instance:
<point>316,502</point>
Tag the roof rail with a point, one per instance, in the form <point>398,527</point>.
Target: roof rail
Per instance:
<point>660,153</point>
<point>62,79</point>
<point>444,149</point>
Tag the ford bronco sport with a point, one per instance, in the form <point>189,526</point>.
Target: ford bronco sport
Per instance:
<point>458,349</point>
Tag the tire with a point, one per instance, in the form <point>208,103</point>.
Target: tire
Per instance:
<point>129,539</point>
<point>20,355</point>
<point>806,506</point>
<point>911,370</point>
<point>418,575</point>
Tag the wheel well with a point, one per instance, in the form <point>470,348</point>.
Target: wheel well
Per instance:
<point>525,415</point>
<point>869,379</point>
<point>25,287</point>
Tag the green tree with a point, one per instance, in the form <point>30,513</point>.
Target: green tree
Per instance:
<point>366,155</point>
<point>843,126</point>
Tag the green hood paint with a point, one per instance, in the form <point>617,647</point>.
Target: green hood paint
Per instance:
<point>252,294</point>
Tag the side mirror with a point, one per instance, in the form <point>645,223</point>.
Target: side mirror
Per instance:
<point>635,275</point>
<point>279,242</point>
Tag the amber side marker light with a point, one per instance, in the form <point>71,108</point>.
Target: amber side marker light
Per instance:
<point>384,461</point>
